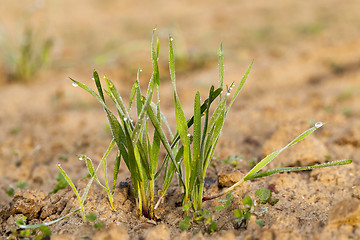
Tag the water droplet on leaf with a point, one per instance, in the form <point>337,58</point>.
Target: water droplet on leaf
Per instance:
<point>319,124</point>
<point>75,84</point>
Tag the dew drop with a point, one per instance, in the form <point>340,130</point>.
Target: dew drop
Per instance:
<point>125,119</point>
<point>140,70</point>
<point>171,39</point>
<point>189,135</point>
<point>319,124</point>
<point>75,84</point>
<point>81,158</point>
<point>93,79</point>
<point>228,94</point>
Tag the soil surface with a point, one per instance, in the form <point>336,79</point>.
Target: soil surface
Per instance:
<point>306,69</point>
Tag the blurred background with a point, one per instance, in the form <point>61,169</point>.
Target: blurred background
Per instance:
<point>306,68</point>
<point>115,35</point>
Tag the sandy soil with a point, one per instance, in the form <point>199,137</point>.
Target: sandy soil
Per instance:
<point>306,69</point>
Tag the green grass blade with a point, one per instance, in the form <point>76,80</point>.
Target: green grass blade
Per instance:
<point>133,89</point>
<point>221,66</point>
<point>116,171</point>
<point>172,62</point>
<point>288,169</point>
<point>48,223</point>
<point>154,58</point>
<point>182,129</point>
<point>141,118</point>
<point>133,165</point>
<point>74,189</point>
<point>155,153</point>
<point>271,156</point>
<point>98,85</point>
<point>241,84</point>
<point>197,166</point>
<point>92,172</point>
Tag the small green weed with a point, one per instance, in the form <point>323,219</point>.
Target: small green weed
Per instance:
<point>10,191</point>
<point>264,195</point>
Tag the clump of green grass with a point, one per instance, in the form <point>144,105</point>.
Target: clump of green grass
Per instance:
<point>26,59</point>
<point>190,150</point>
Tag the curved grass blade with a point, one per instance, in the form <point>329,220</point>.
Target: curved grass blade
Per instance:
<point>48,223</point>
<point>74,189</point>
<point>304,168</point>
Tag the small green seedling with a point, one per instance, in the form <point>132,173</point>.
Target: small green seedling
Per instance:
<point>185,224</point>
<point>243,214</point>
<point>264,195</point>
<point>91,217</point>
<point>61,183</point>
<point>10,191</point>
